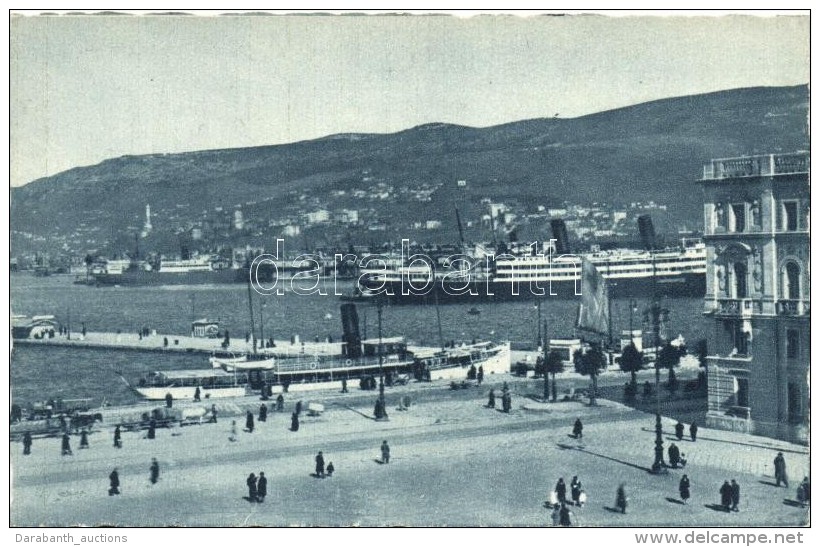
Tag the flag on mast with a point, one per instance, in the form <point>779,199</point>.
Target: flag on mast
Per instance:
<point>593,311</point>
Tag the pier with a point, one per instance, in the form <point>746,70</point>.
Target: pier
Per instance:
<point>179,344</point>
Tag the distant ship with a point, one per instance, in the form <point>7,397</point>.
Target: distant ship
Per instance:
<point>679,271</point>
<point>195,271</point>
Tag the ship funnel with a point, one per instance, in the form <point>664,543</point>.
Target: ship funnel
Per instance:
<point>350,330</point>
<point>559,233</point>
<point>647,231</point>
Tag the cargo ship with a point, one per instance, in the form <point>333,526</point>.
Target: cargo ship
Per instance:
<point>678,271</point>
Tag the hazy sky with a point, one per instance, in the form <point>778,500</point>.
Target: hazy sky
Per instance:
<point>88,88</point>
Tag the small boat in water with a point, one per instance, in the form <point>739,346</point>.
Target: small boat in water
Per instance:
<point>243,362</point>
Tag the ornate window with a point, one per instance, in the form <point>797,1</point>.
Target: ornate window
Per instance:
<point>790,280</point>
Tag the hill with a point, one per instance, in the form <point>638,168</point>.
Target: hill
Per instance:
<point>651,151</point>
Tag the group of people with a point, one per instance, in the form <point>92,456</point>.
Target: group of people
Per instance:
<point>114,478</point>
<point>730,496</point>
<point>321,470</point>
<point>257,487</point>
<point>693,431</point>
<point>506,398</point>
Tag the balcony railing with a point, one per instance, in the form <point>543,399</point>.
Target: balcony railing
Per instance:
<point>756,166</point>
<point>794,307</point>
<point>738,307</point>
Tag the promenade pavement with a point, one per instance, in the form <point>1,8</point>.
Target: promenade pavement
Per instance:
<point>453,462</point>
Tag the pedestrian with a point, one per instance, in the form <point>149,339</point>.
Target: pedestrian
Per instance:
<point>726,496</point>
<point>564,516</point>
<point>506,401</point>
<point>26,443</point>
<point>804,492</point>
<point>117,437</point>
<point>169,400</point>
<point>330,469</point>
<point>261,487</point>
<point>480,375</point>
<point>621,499</point>
<point>298,407</point>
<point>575,490</point>
<point>679,431</point>
<point>693,431</point>
<point>263,412</point>
<point>66,446</point>
<point>780,470</point>
<point>280,403</point>
<point>213,413</point>
<point>320,465</point>
<point>232,436</point>
<point>556,515</point>
<point>578,429</point>
<point>197,393</point>
<point>683,488</point>
<point>84,439</point>
<point>114,483</point>
<point>674,455</point>
<point>154,471</point>
<point>491,400</point>
<point>561,490</point>
<point>249,421</point>
<point>251,482</point>
<point>294,422</point>
<point>735,495</point>
<point>385,452</point>
<point>152,429</point>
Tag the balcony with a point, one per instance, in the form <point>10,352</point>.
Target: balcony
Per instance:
<point>794,307</point>
<point>738,307</point>
<point>757,166</point>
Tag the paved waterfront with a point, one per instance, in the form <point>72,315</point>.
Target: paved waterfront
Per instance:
<point>453,462</point>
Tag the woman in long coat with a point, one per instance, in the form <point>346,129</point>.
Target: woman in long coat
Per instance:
<point>251,482</point>
<point>620,498</point>
<point>261,487</point>
<point>683,488</point>
<point>561,490</point>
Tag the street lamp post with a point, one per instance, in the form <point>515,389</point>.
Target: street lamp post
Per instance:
<point>381,360</point>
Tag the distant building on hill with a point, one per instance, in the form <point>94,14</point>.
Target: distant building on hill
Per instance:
<point>756,214</point>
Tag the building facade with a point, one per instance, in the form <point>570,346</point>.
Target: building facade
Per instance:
<point>756,213</point>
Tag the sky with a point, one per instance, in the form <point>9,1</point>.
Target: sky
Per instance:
<point>87,88</point>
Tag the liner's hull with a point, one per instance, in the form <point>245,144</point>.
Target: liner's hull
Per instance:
<point>683,285</point>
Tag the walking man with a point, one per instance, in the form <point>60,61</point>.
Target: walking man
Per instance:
<point>294,422</point>
<point>575,490</point>
<point>561,491</point>
<point>152,429</point>
<point>66,446</point>
<point>735,495</point>
<point>251,482</point>
<point>578,429</point>
<point>780,470</point>
<point>683,488</point>
<point>197,394</point>
<point>83,439</point>
<point>232,436</point>
<point>320,465</point>
<point>26,443</point>
<point>491,400</point>
<point>674,455</point>
<point>480,375</point>
<point>213,413</point>
<point>726,496</point>
<point>679,431</point>
<point>693,431</point>
<point>249,421</point>
<point>261,487</point>
<point>114,483</point>
<point>620,498</point>
<point>280,403</point>
<point>385,452</point>
<point>263,412</point>
<point>154,471</point>
<point>117,437</point>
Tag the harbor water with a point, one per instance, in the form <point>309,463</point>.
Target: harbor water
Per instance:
<point>40,373</point>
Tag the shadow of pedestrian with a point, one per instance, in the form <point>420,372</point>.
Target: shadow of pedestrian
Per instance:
<point>613,509</point>
<point>675,500</point>
<point>792,503</point>
<point>716,507</point>
<point>768,483</point>
<point>248,499</point>
<point>317,476</point>
<point>378,461</point>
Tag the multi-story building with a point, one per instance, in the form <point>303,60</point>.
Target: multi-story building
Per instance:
<point>756,213</point>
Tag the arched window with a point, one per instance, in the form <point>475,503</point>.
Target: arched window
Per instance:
<point>791,280</point>
<point>740,288</point>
